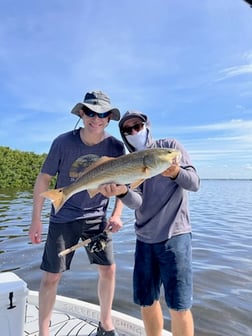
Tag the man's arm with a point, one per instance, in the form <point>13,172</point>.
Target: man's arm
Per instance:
<point>41,185</point>
<point>131,198</point>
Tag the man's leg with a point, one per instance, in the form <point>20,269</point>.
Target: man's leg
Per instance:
<point>47,295</point>
<point>178,284</point>
<point>106,289</point>
<point>153,319</point>
<point>182,323</point>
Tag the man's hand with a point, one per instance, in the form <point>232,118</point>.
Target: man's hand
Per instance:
<point>35,232</point>
<point>112,189</point>
<point>172,171</point>
<point>114,223</point>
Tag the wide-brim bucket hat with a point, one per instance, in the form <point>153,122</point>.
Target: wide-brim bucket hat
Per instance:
<point>98,102</point>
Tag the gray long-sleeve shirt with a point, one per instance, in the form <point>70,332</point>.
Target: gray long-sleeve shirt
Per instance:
<point>161,203</point>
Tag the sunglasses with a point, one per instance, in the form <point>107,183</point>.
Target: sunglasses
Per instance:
<point>92,114</point>
<point>137,127</point>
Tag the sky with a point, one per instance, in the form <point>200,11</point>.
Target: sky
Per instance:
<point>186,64</point>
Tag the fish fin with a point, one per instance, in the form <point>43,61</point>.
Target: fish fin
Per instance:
<point>146,170</point>
<point>57,197</point>
<point>136,183</point>
<point>93,192</point>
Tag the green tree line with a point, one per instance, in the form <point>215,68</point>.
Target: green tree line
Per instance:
<point>18,170</point>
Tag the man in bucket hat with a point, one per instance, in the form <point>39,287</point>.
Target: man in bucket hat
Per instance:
<point>81,217</point>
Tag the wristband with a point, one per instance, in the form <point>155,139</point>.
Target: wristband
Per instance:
<point>124,194</point>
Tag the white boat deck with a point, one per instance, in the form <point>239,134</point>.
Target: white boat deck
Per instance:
<point>73,317</point>
<point>61,324</point>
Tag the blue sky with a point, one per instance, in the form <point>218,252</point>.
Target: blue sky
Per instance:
<point>186,64</point>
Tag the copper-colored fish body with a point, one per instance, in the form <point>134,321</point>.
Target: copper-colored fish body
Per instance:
<point>131,169</point>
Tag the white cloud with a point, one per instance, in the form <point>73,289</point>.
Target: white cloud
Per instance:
<point>237,70</point>
<point>234,124</point>
<point>248,166</point>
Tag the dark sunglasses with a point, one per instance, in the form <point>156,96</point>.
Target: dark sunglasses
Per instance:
<point>137,127</point>
<point>92,114</point>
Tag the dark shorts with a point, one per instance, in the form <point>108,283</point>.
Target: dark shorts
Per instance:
<point>64,235</point>
<point>168,263</point>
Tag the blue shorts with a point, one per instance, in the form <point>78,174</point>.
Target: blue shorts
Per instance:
<point>64,235</point>
<point>168,263</point>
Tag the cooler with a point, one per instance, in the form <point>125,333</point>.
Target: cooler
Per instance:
<point>13,297</point>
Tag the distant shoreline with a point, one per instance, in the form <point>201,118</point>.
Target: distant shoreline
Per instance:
<point>226,179</point>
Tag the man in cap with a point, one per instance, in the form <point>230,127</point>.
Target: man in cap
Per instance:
<point>81,217</point>
<point>163,230</point>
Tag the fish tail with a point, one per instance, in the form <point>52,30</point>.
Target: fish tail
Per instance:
<point>57,197</point>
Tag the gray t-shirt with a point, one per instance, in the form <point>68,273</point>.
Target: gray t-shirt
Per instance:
<point>60,161</point>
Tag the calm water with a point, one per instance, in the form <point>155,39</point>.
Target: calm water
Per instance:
<point>221,215</point>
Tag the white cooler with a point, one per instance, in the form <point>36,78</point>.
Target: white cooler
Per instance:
<point>13,297</point>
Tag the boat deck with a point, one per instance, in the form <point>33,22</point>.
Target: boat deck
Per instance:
<point>73,317</point>
<point>61,324</point>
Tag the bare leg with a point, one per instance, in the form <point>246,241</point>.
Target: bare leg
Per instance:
<point>106,289</point>
<point>153,319</point>
<point>47,295</point>
<point>182,323</point>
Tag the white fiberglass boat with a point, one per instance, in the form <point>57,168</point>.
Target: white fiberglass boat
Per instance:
<point>71,317</point>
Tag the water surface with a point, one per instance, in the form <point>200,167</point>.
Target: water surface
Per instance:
<point>221,216</point>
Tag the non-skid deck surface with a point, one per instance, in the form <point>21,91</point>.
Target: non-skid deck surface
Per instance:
<point>62,324</point>
<point>73,317</point>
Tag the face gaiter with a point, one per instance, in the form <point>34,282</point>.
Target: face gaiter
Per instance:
<point>138,140</point>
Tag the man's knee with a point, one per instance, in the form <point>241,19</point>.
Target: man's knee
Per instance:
<point>50,279</point>
<point>180,314</point>
<point>107,271</point>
